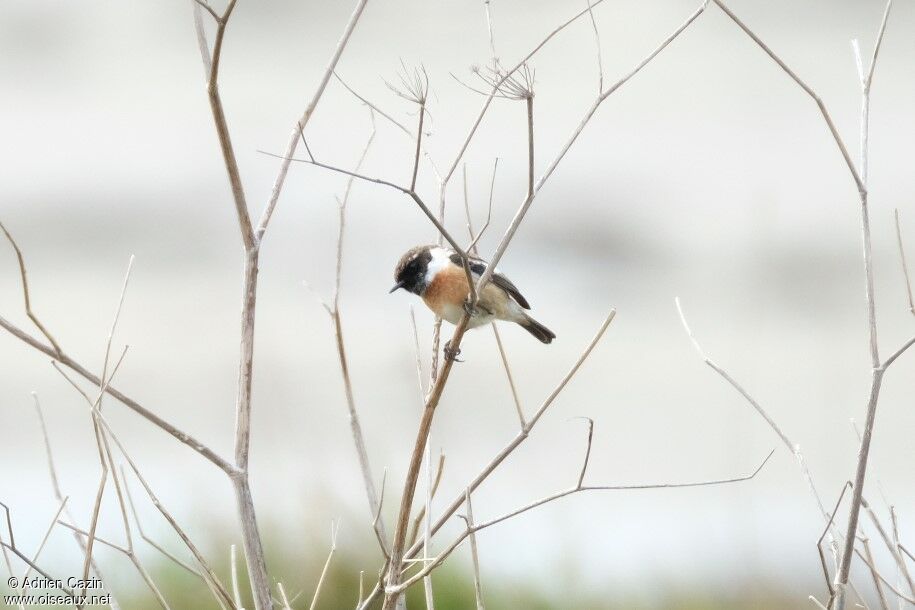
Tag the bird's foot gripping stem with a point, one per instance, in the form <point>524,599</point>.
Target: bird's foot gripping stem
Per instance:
<point>451,353</point>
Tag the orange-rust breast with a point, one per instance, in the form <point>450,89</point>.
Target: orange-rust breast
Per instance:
<point>448,289</point>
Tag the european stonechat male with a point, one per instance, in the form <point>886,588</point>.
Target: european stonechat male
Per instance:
<point>437,275</point>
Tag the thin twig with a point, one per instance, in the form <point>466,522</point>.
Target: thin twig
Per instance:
<point>55,482</point>
<point>500,456</point>
<point>803,85</point>
<point>142,532</point>
<point>600,63</point>
<point>334,527</point>
<point>233,571</point>
<point>529,199</point>
<point>905,267</point>
<point>418,520</point>
<point>891,545</point>
<point>791,446</point>
<point>336,317</point>
<point>301,123</point>
<point>869,560</point>
<point>25,291</point>
<point>878,367</point>
<point>578,488</point>
<point>142,411</point>
<point>832,516</point>
<point>477,585</point>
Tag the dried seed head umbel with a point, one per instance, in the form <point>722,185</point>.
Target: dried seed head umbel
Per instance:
<point>414,84</point>
<point>518,86</point>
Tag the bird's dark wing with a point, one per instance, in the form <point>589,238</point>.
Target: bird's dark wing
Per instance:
<point>478,268</point>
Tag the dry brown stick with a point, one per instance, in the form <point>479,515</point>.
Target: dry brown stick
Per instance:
<point>55,482</point>
<point>794,448</point>
<point>529,199</point>
<point>878,367</point>
<point>422,436</point>
<point>222,131</point>
<point>477,584</point>
<point>207,572</point>
<point>472,249</point>
<point>832,517</point>
<point>103,449</point>
<point>403,128</point>
<point>334,527</point>
<point>142,411</point>
<point>381,540</point>
<point>233,576</point>
<point>505,451</point>
<point>504,77</point>
<point>907,552</point>
<point>905,267</point>
<point>873,567</point>
<point>903,568</point>
<point>42,544</point>
<point>426,421</point>
<point>283,597</point>
<point>807,89</point>
<point>334,311</point>
<point>150,541</point>
<point>131,555</point>
<point>890,545</point>
<point>418,520</point>
<point>454,343</point>
<point>405,190</point>
<point>427,581</point>
<point>25,291</point>
<point>209,576</point>
<point>300,124</point>
<point>37,568</point>
<point>869,560</point>
<point>576,489</point>
<point>104,461</point>
<point>600,62</point>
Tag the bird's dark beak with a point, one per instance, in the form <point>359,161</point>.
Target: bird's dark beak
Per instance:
<point>396,286</point>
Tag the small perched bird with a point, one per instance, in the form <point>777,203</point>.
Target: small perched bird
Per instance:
<point>437,275</point>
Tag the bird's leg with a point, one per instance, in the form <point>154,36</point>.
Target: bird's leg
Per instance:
<point>474,310</point>
<point>451,354</point>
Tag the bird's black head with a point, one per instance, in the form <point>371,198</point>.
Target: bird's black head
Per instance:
<point>410,273</point>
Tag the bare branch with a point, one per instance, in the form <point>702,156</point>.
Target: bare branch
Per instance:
<point>334,527</point>
<point>477,586</point>
<point>832,516</point>
<point>600,63</point>
<point>584,465</point>
<point>578,488</point>
<point>869,560</point>
<point>206,6</point>
<point>233,571</point>
<point>44,539</point>
<point>905,267</point>
<point>300,125</point>
<point>792,447</point>
<point>505,452</point>
<point>25,291</point>
<point>528,201</point>
<point>890,544</point>
<point>508,374</point>
<point>417,521</point>
<point>879,368</point>
<point>207,572</point>
<point>150,541</point>
<point>65,360</point>
<point>813,95</point>
<point>55,482</point>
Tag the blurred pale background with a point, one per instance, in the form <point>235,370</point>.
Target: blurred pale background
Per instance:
<point>710,176</point>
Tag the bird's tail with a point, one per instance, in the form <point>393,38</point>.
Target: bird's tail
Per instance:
<point>543,334</point>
